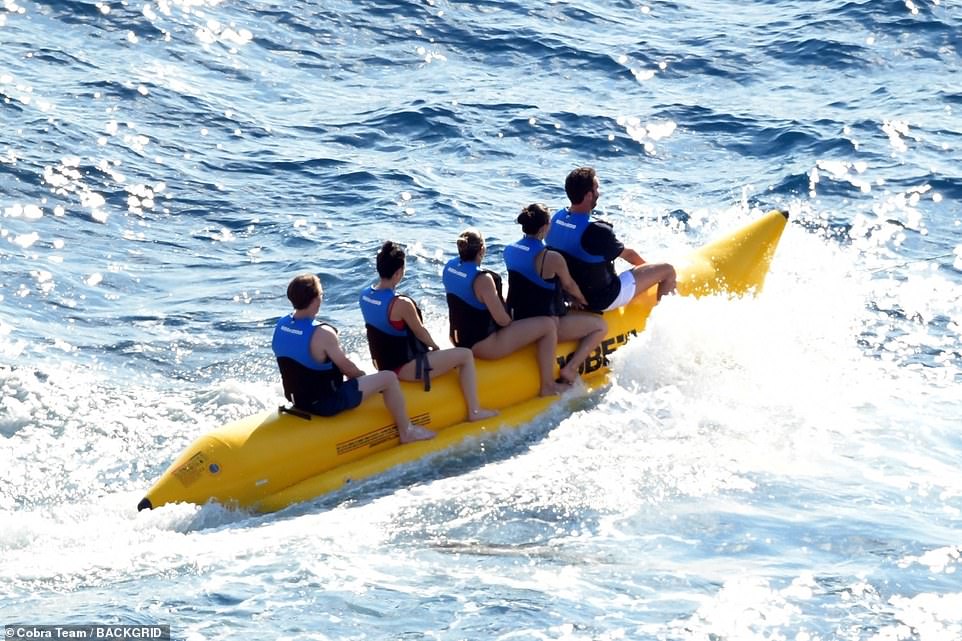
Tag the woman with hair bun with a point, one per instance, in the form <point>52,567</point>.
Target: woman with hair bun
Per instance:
<point>538,280</point>
<point>480,320</point>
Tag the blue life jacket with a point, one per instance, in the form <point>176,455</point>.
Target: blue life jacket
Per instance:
<point>305,379</point>
<point>595,276</point>
<point>391,348</point>
<point>564,235</point>
<point>528,293</point>
<point>470,320</point>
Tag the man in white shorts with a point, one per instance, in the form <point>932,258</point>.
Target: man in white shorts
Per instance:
<point>590,248</point>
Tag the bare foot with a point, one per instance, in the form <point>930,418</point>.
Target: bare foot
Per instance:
<point>568,375</point>
<point>415,433</point>
<point>666,287</point>
<point>554,389</point>
<point>481,414</point>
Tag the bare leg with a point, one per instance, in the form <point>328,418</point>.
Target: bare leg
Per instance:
<point>650,273</point>
<point>507,340</point>
<point>386,383</point>
<point>445,360</point>
<point>547,346</point>
<point>590,329</point>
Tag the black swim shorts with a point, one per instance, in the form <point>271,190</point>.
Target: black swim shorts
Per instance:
<point>348,396</point>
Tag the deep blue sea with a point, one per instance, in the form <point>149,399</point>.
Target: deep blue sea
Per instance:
<point>783,468</point>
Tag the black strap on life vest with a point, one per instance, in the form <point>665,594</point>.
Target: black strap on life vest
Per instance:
<point>422,369</point>
<point>422,366</point>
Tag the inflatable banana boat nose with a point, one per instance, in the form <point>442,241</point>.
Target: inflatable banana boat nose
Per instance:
<point>736,263</point>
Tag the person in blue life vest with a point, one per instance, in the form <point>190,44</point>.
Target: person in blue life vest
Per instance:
<point>399,341</point>
<point>538,280</point>
<point>590,248</point>
<point>480,321</point>
<point>313,366</point>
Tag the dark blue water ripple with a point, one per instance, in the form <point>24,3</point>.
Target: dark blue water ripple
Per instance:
<point>74,11</point>
<point>820,53</point>
<point>883,13</point>
<point>423,123</point>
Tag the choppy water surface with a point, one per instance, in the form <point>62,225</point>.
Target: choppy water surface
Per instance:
<point>778,468</point>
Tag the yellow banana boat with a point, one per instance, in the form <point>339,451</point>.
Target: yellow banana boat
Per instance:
<point>274,459</point>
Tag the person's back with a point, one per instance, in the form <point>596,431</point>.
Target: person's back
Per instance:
<point>470,321</point>
<point>529,294</point>
<point>392,343</point>
<point>307,382</point>
<point>589,247</point>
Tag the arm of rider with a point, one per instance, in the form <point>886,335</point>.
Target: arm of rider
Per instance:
<point>324,345</point>
<point>632,257</point>
<point>555,265</point>
<point>487,293</point>
<point>404,309</point>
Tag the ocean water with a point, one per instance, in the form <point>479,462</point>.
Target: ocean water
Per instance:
<point>777,468</point>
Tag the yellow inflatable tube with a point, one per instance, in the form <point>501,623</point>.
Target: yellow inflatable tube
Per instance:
<point>274,459</point>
